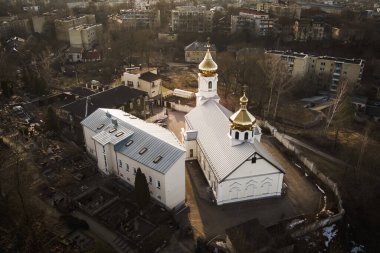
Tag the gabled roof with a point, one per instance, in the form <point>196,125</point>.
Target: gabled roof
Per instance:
<point>157,140</point>
<point>82,91</point>
<point>111,98</point>
<point>149,77</point>
<point>212,122</point>
<point>199,46</point>
<point>249,236</point>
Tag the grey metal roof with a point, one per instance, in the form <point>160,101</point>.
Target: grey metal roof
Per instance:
<point>104,136</point>
<point>158,140</point>
<point>212,122</point>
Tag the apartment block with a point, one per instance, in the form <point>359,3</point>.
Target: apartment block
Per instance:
<point>191,19</point>
<point>252,20</point>
<point>62,26</point>
<point>40,21</point>
<point>12,26</point>
<point>85,36</point>
<point>335,69</point>
<point>308,29</point>
<point>140,19</point>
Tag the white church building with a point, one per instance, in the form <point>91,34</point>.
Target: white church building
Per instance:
<point>122,143</point>
<point>227,145</point>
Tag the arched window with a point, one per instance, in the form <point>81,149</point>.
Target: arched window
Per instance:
<point>236,135</point>
<point>210,85</point>
<point>246,136</point>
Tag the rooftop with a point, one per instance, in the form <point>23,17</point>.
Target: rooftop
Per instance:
<point>106,99</point>
<point>149,77</point>
<point>137,135</point>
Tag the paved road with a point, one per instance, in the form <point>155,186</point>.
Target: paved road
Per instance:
<point>314,150</point>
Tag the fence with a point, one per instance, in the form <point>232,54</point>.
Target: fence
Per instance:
<point>310,165</point>
<point>180,108</point>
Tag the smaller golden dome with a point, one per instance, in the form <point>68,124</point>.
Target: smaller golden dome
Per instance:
<point>208,66</point>
<point>242,119</point>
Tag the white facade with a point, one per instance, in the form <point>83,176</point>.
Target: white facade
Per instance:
<point>84,36</point>
<point>145,80</point>
<point>227,146</point>
<point>117,140</point>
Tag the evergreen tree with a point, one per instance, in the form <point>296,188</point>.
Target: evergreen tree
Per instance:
<point>141,189</point>
<point>52,120</point>
<point>7,88</point>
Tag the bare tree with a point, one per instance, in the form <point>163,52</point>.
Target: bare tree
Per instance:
<point>363,147</point>
<point>341,94</point>
<point>284,82</point>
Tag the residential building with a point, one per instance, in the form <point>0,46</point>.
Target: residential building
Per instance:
<point>85,36</point>
<point>252,20</point>
<point>121,144</point>
<point>325,68</point>
<point>62,26</point>
<point>308,29</point>
<point>122,97</point>
<point>145,79</point>
<point>40,22</point>
<point>191,19</point>
<point>167,37</point>
<point>227,145</point>
<point>196,51</point>
<point>292,10</point>
<point>12,26</point>
<point>145,4</point>
<point>139,18</point>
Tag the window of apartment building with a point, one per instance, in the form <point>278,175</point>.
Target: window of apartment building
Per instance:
<point>150,180</point>
<point>134,171</point>
<point>158,184</point>
<point>130,83</point>
<point>120,164</point>
<point>127,167</point>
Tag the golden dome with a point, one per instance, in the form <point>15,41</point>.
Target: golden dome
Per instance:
<point>242,119</point>
<point>208,67</point>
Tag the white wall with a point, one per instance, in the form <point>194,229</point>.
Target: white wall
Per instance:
<point>175,189</point>
<point>254,187</point>
<point>90,145</point>
<point>130,77</point>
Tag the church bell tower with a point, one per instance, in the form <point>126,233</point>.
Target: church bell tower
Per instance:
<point>207,80</point>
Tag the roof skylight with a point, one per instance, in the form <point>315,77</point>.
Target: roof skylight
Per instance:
<point>157,159</point>
<point>112,130</point>
<point>119,134</point>
<point>129,143</point>
<point>100,126</point>
<point>142,151</point>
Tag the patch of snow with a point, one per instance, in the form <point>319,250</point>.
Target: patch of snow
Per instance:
<point>306,175</point>
<point>299,166</point>
<point>320,189</point>
<point>357,248</point>
<point>295,223</point>
<point>329,232</point>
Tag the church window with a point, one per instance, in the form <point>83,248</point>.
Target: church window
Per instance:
<point>236,135</point>
<point>210,85</point>
<point>191,152</point>
<point>150,180</point>
<point>246,136</point>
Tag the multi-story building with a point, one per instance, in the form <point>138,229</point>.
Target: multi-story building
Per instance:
<point>145,79</point>
<point>191,19</point>
<point>85,36</point>
<point>331,69</point>
<point>139,19</point>
<point>195,52</point>
<point>121,144</point>
<point>12,26</point>
<point>62,26</point>
<point>292,11</point>
<point>252,20</point>
<point>40,22</point>
<point>144,4</point>
<point>308,29</point>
